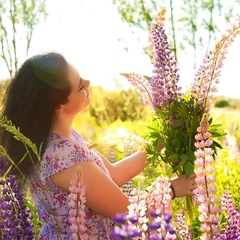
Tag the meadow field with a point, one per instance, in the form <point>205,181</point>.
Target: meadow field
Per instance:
<point>93,125</point>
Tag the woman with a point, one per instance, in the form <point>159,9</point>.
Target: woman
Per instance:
<point>42,100</point>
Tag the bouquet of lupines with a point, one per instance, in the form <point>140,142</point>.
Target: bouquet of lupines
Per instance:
<point>177,115</point>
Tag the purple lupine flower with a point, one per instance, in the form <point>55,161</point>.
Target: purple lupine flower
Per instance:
<point>155,237</point>
<point>127,188</point>
<point>125,232</point>
<point>120,218</point>
<point>4,165</point>
<point>165,73</point>
<point>16,218</point>
<point>180,220</point>
<point>126,227</point>
<point>118,233</point>
<point>154,225</point>
<point>181,224</point>
<point>232,229</point>
<point>132,219</point>
<point>154,214</point>
<point>167,217</point>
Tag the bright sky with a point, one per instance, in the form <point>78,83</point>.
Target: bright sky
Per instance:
<point>87,33</point>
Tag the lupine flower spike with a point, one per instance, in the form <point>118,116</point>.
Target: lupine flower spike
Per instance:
<point>181,226</point>
<point>14,215</point>
<point>76,203</point>
<point>142,85</point>
<point>207,76</point>
<point>165,73</point>
<point>206,190</point>
<point>149,215</point>
<point>232,229</point>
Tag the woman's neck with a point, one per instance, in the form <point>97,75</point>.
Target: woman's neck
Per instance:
<point>62,126</point>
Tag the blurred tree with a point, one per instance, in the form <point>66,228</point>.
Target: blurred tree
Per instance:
<point>222,103</point>
<point>18,19</point>
<point>193,23</point>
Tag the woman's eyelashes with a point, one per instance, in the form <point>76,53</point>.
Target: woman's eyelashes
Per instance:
<point>81,88</point>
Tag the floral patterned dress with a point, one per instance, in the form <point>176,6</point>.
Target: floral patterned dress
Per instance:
<point>52,201</point>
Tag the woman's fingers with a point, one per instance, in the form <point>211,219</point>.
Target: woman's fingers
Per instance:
<point>194,186</point>
<point>193,175</point>
<point>184,186</point>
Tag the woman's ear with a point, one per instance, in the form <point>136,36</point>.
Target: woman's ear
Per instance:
<point>58,109</point>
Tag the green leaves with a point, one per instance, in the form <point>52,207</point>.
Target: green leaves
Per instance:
<point>176,128</point>
<point>216,131</point>
<point>188,169</point>
<point>183,159</point>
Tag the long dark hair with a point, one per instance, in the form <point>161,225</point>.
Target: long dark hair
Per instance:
<point>38,88</point>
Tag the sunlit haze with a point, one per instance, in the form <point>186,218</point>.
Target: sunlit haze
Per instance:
<point>87,33</point>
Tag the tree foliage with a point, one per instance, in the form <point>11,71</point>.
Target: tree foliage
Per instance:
<point>192,23</point>
<point>18,19</point>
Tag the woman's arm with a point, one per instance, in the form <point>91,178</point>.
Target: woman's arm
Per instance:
<point>124,170</point>
<point>127,168</point>
<point>102,194</point>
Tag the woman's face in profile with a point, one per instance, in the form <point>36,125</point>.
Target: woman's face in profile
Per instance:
<point>79,97</point>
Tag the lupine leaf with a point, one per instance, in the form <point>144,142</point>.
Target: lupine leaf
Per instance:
<point>189,168</point>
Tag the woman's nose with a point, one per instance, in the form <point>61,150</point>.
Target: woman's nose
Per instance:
<point>86,83</point>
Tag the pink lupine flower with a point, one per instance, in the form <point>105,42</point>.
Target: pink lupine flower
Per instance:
<point>142,85</point>
<point>207,76</point>
<point>206,198</point>
<point>76,203</point>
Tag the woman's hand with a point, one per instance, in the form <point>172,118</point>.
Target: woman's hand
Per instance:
<point>184,187</point>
